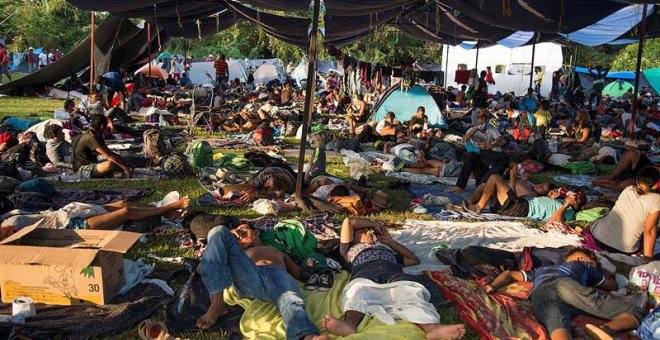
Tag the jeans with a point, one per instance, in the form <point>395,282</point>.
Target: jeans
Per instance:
<point>555,303</point>
<point>221,83</point>
<point>482,165</point>
<point>385,272</point>
<point>224,263</point>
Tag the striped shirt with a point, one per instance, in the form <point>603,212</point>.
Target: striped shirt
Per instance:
<point>221,68</point>
<point>586,274</point>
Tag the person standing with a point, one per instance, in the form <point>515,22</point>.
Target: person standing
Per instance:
<point>597,86</point>
<point>209,59</point>
<point>538,81</point>
<point>32,60</point>
<point>43,58</point>
<point>176,68</point>
<point>4,62</point>
<point>221,73</point>
<point>489,76</point>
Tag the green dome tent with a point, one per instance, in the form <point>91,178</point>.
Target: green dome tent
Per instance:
<point>617,88</point>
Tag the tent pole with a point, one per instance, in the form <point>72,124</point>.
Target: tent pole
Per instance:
<point>640,48</point>
<point>309,97</point>
<point>149,47</point>
<point>531,74</point>
<point>476,61</point>
<point>91,52</point>
<point>446,66</point>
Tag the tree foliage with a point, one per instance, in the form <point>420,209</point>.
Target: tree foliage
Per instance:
<point>47,23</point>
<point>626,59</point>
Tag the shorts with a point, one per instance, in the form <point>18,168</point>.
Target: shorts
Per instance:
<point>514,206</point>
<point>4,69</point>
<point>78,223</point>
<point>86,171</point>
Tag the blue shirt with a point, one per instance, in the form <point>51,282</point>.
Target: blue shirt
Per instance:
<point>185,81</point>
<point>586,274</point>
<point>114,81</point>
<point>543,207</point>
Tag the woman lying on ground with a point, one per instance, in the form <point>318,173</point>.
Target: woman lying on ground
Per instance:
<point>273,181</point>
<point>631,226</point>
<point>90,216</point>
<point>628,167</point>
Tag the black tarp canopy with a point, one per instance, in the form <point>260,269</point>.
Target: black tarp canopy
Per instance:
<point>440,21</point>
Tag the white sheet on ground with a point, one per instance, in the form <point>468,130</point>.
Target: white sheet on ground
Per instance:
<point>421,236</point>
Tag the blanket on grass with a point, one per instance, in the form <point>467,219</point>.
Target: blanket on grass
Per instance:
<point>506,314</point>
<point>421,178</point>
<point>419,190</point>
<point>262,320</point>
<point>99,197</point>
<point>446,215</point>
<point>139,174</point>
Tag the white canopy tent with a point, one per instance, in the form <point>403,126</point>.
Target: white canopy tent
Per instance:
<point>204,73</point>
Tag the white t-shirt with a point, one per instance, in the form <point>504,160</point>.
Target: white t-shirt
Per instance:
<point>380,125</point>
<point>489,136</point>
<point>43,59</point>
<point>623,226</point>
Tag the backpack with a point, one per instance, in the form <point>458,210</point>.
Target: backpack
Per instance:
<point>176,165</point>
<point>37,185</point>
<point>352,204</point>
<point>154,146</point>
<point>292,238</point>
<point>201,155</point>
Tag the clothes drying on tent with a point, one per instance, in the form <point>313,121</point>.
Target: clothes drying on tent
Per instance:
<point>404,105</point>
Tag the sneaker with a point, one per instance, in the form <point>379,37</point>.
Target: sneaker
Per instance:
<point>313,282</point>
<point>326,280</point>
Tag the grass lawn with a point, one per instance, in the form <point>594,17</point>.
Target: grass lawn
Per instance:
<point>164,245</point>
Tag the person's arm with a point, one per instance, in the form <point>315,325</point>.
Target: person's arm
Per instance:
<point>363,109</point>
<point>513,175</point>
<point>650,234</point>
<point>409,258</point>
<point>54,157</point>
<point>292,267</point>
<point>504,279</point>
<point>114,158</point>
<point>585,135</point>
<point>469,134</point>
<point>558,215</point>
<point>351,224</point>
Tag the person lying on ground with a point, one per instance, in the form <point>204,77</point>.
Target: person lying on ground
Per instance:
<point>256,271</point>
<point>98,217</point>
<point>529,258</point>
<point>627,169</point>
<point>273,181</point>
<point>631,226</point>
<point>577,286</point>
<point>88,146</point>
<point>372,254</point>
<point>502,200</point>
<point>58,150</point>
<point>488,160</point>
<point>17,124</point>
<point>356,114</point>
<point>7,140</point>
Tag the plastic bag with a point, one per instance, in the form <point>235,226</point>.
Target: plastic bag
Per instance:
<point>357,165</point>
<point>265,206</point>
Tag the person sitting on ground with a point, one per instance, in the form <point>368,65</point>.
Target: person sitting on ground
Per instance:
<point>185,80</point>
<point>356,113</point>
<point>372,254</point>
<point>418,121</point>
<point>286,97</point>
<point>93,105</point>
<point>579,135</point>
<point>89,145</point>
<point>99,217</point>
<point>577,286</point>
<point>58,150</point>
<point>628,167</point>
<point>631,226</point>
<point>503,200</point>
<point>386,128</point>
<point>489,160</point>
<point>460,96</point>
<point>239,258</point>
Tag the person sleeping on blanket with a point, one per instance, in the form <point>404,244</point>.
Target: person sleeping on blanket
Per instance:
<point>256,271</point>
<point>273,181</point>
<point>503,200</point>
<point>412,159</point>
<point>628,167</point>
<point>97,217</point>
<point>576,286</point>
<point>372,254</point>
<point>521,187</point>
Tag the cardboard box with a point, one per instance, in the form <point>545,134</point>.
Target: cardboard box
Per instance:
<point>63,267</point>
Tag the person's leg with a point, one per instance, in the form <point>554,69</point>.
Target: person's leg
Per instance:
<point>428,167</point>
<point>436,331</point>
<point>104,169</point>
<point>552,313</point>
<point>497,162</point>
<point>495,187</point>
<point>471,163</point>
<point>627,162</point>
<point>589,300</point>
<point>224,263</point>
<point>476,195</point>
<point>122,215</point>
<point>344,327</point>
<point>135,206</point>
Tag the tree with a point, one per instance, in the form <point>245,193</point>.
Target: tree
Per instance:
<point>626,59</point>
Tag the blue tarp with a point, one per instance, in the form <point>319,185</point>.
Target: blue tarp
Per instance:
<point>625,75</point>
<point>609,28</point>
<point>404,105</point>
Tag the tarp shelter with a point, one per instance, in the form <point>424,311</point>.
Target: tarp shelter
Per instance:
<point>617,88</point>
<point>648,78</point>
<point>156,71</point>
<point>204,73</point>
<point>652,76</point>
<point>266,73</point>
<point>404,104</point>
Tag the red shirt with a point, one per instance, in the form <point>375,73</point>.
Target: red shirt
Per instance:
<point>221,68</point>
<point>3,55</point>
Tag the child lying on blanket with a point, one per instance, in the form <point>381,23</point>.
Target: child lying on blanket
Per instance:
<point>501,199</point>
<point>372,254</point>
<point>239,258</point>
<point>577,286</point>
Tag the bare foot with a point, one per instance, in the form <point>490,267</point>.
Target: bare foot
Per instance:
<point>597,333</point>
<point>217,309</point>
<point>336,326</point>
<point>455,189</point>
<point>317,337</point>
<point>441,332</point>
<point>181,203</point>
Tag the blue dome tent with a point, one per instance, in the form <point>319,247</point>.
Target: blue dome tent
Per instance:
<point>404,105</point>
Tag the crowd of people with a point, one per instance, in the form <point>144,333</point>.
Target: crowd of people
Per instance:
<point>499,141</point>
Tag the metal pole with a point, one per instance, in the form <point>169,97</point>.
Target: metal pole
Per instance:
<point>309,94</point>
<point>91,53</point>
<point>640,48</point>
<point>149,47</point>
<point>446,66</point>
<point>531,74</point>
<point>476,61</point>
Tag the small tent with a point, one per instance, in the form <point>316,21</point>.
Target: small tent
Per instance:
<point>265,73</point>
<point>404,104</point>
<point>652,77</point>
<point>617,88</point>
<point>204,73</point>
<point>156,71</point>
